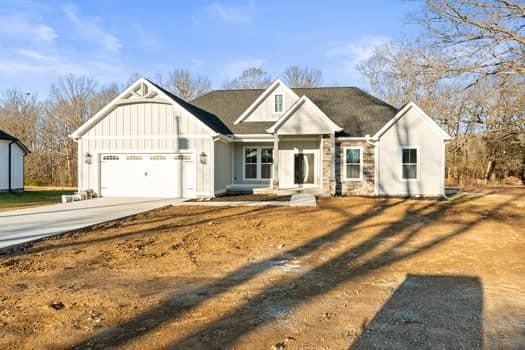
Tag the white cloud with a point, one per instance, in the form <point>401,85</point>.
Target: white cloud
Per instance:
<point>230,13</point>
<point>91,29</point>
<point>33,54</point>
<point>27,28</point>
<point>350,54</point>
<point>195,63</point>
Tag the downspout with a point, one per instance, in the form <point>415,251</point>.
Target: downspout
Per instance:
<point>9,166</point>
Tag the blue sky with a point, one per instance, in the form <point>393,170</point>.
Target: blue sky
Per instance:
<point>111,39</point>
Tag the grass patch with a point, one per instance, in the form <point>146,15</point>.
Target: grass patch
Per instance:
<point>30,198</point>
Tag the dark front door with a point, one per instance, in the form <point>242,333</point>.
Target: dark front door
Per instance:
<point>304,168</point>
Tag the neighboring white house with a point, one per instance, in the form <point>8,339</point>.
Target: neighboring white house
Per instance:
<point>12,153</point>
<point>338,140</point>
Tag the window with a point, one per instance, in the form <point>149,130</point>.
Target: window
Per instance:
<point>279,104</point>
<point>266,163</point>
<point>133,158</point>
<point>157,158</point>
<point>258,163</point>
<point>353,163</point>
<point>110,157</point>
<point>250,163</point>
<point>409,163</point>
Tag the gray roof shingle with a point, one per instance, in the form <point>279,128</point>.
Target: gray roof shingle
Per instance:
<point>356,111</point>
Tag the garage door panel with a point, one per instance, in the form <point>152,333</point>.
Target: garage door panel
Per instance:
<point>146,175</point>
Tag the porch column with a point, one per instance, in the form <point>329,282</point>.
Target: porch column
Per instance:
<point>275,170</point>
<point>332,165</point>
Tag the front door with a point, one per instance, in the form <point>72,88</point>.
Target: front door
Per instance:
<point>304,168</point>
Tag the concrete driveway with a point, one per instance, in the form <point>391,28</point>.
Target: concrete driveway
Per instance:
<point>25,225</point>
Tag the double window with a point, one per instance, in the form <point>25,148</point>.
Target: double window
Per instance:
<point>353,163</point>
<point>258,163</point>
<point>409,163</point>
<point>278,103</point>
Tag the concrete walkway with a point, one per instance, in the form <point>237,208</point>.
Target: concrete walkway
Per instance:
<point>297,200</point>
<point>25,225</point>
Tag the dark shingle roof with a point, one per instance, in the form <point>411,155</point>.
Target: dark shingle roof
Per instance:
<point>207,118</point>
<point>356,111</point>
<point>6,136</point>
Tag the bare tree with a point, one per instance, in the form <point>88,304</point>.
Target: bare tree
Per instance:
<point>302,77</point>
<point>251,78</point>
<point>185,85</point>
<point>481,37</point>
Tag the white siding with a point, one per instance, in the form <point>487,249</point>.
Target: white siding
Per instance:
<point>411,130</point>
<point>305,120</point>
<point>223,166</point>
<point>17,166</point>
<point>265,111</point>
<point>146,128</point>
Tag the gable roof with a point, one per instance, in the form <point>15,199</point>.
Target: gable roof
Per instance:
<point>357,112</point>
<point>6,136</point>
<point>403,110</point>
<point>304,100</point>
<point>210,121</point>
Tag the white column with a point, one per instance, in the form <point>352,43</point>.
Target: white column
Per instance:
<point>275,170</point>
<point>332,164</point>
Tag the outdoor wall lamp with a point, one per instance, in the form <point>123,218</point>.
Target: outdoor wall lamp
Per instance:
<point>87,158</point>
<point>203,158</point>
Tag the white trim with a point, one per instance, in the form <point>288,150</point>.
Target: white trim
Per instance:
<point>351,138</point>
<point>421,113</point>
<point>317,168</point>
<point>253,140</point>
<point>91,122</point>
<point>258,164</point>
<point>274,104</point>
<point>212,164</point>
<point>418,163</point>
<point>443,164</point>
<point>345,177</point>
<point>294,107</point>
<point>241,136</point>
<point>262,97</point>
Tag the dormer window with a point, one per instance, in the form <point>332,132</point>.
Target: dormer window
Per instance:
<point>279,104</point>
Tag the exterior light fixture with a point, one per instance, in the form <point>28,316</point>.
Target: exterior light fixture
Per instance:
<point>203,158</point>
<point>87,158</point>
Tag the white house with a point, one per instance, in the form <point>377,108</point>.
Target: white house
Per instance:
<point>336,140</point>
<point>12,153</point>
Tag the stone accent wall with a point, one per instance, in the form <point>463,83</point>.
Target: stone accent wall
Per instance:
<point>365,187</point>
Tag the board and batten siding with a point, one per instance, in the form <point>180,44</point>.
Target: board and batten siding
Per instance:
<point>17,166</point>
<point>146,128</point>
<point>223,166</point>
<point>265,111</point>
<point>411,130</point>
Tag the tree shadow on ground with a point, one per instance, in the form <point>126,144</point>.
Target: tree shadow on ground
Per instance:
<point>426,312</point>
<point>290,293</point>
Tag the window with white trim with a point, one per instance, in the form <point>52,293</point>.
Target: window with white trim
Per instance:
<point>409,163</point>
<point>258,163</point>
<point>278,103</point>
<point>250,163</point>
<point>353,163</point>
<point>266,163</point>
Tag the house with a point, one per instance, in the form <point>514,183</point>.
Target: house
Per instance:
<point>334,140</point>
<point>12,153</point>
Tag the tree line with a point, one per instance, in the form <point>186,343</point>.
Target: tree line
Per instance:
<point>466,70</point>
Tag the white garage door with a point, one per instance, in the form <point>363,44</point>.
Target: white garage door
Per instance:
<point>147,175</point>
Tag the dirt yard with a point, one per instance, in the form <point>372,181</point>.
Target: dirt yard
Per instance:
<point>353,273</point>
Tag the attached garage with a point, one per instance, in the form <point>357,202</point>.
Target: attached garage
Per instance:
<point>146,143</point>
<point>147,175</point>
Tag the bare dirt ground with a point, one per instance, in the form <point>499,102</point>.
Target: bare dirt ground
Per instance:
<point>353,273</point>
